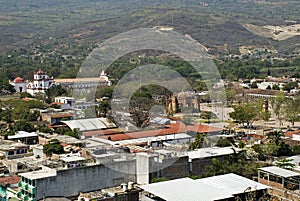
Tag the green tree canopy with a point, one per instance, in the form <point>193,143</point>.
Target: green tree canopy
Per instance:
<point>292,110</point>
<point>53,147</point>
<point>245,113</point>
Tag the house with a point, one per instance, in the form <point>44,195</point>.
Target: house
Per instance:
<point>284,183</point>
<point>8,186</point>
<point>11,149</point>
<point>56,116</point>
<point>25,137</point>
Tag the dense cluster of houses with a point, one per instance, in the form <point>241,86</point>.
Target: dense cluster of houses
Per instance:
<point>109,162</point>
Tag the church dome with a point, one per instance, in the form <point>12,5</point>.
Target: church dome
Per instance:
<point>18,80</point>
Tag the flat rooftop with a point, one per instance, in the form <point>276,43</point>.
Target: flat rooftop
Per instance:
<point>39,174</point>
<point>8,145</point>
<point>211,152</point>
<point>22,134</point>
<point>70,159</point>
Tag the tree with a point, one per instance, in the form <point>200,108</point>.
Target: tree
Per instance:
<point>277,105</point>
<point>25,95</point>
<point>23,125</point>
<point>54,91</point>
<point>276,137</point>
<point>285,163</point>
<point>103,108</point>
<point>207,115</point>
<point>253,85</point>
<point>275,87</point>
<point>289,86</point>
<point>230,95</point>
<point>223,142</point>
<point>73,133</point>
<point>292,110</point>
<point>4,85</point>
<point>245,113</point>
<point>198,142</point>
<point>53,147</point>
<point>45,129</point>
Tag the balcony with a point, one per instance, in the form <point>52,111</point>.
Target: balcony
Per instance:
<point>32,190</point>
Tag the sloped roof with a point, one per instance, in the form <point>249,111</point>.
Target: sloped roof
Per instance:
<point>178,127</point>
<point>89,124</point>
<point>9,180</point>
<point>207,189</point>
<point>280,171</point>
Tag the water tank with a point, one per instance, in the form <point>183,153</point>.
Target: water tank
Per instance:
<point>130,185</point>
<point>124,187</point>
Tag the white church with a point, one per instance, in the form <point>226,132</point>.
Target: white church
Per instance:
<point>41,82</point>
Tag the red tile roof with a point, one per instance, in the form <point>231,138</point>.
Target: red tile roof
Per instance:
<point>178,127</point>
<point>291,133</point>
<point>102,132</point>
<point>60,115</point>
<point>9,180</point>
<point>18,80</point>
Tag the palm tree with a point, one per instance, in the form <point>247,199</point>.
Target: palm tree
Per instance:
<point>276,137</point>
<point>285,163</point>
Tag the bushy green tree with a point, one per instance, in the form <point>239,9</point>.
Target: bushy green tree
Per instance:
<point>198,142</point>
<point>23,125</point>
<point>245,113</point>
<point>223,142</point>
<point>292,110</point>
<point>53,147</point>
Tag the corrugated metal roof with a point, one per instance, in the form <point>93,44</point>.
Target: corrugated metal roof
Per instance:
<point>280,171</point>
<point>185,189</point>
<point>90,124</point>
<point>207,189</point>
<point>233,183</point>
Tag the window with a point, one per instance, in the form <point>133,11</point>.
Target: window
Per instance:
<point>263,175</point>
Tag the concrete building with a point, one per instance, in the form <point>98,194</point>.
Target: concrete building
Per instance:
<point>8,186</point>
<point>44,183</point>
<point>228,187</point>
<point>11,149</point>
<point>25,137</point>
<point>124,192</point>
<point>65,100</point>
<point>53,117</point>
<point>284,183</point>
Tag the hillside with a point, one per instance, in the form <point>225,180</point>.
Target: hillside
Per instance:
<point>214,23</point>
